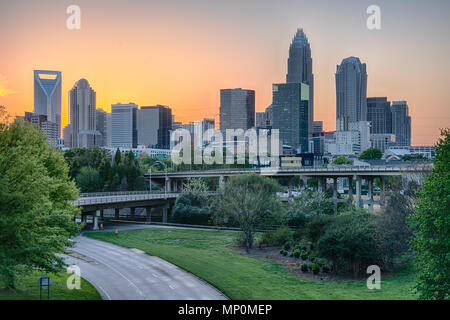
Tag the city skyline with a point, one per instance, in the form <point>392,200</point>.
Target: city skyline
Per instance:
<point>227,56</point>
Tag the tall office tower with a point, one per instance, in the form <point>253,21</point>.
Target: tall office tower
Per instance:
<point>290,114</point>
<point>154,124</point>
<point>261,120</point>
<point>82,105</point>
<point>123,125</point>
<point>237,109</point>
<point>401,123</point>
<point>300,69</point>
<point>379,115</point>
<point>351,93</point>
<point>47,96</point>
<point>67,136</point>
<point>317,126</point>
<point>101,123</point>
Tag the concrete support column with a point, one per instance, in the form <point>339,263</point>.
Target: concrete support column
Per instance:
<point>382,192</point>
<point>358,193</point>
<point>290,188</point>
<point>132,211</point>
<point>168,185</point>
<point>335,186</point>
<point>148,213</point>
<point>370,193</point>
<point>116,213</point>
<point>164,212</point>
<point>305,181</point>
<point>350,192</point>
<point>96,215</point>
<point>221,182</point>
<point>320,184</point>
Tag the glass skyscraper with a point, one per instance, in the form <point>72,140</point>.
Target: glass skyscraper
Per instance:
<point>351,93</point>
<point>237,109</point>
<point>290,106</point>
<point>401,123</point>
<point>47,96</point>
<point>300,69</point>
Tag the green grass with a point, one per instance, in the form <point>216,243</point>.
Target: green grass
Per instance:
<point>28,289</point>
<point>205,254</point>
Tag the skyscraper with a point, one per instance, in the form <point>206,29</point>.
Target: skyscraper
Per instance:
<point>290,114</point>
<point>123,125</point>
<point>101,121</point>
<point>154,124</point>
<point>237,109</point>
<point>47,96</point>
<point>379,114</point>
<point>82,108</point>
<point>300,69</point>
<point>401,123</point>
<point>351,93</point>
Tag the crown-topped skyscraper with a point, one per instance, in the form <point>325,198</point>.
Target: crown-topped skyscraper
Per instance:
<point>300,69</point>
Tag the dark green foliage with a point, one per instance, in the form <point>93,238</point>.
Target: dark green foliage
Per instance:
<point>296,253</point>
<point>315,268</point>
<point>192,206</point>
<point>283,252</point>
<point>282,235</point>
<point>371,154</point>
<point>251,201</point>
<point>304,267</point>
<point>36,214</point>
<point>341,160</point>
<point>348,243</point>
<point>304,255</point>
<point>431,225</point>
<point>89,180</point>
<point>308,204</point>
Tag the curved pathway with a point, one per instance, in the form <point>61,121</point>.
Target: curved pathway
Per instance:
<point>120,273</point>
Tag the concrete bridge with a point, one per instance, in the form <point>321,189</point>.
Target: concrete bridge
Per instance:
<point>174,180</point>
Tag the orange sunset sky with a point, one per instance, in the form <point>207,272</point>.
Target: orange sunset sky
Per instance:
<point>182,52</point>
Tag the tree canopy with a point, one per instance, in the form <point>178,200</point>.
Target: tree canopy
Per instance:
<point>36,214</point>
<point>371,154</point>
<point>341,160</point>
<point>431,223</point>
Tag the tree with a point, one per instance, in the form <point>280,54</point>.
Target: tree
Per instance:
<point>371,154</point>
<point>308,204</point>
<point>36,214</point>
<point>431,223</point>
<point>89,180</point>
<point>341,160</point>
<point>251,201</point>
<point>192,205</point>
<point>117,158</point>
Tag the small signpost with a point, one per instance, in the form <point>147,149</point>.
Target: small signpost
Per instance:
<point>44,283</point>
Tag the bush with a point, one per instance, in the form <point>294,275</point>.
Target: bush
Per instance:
<point>283,252</point>
<point>192,205</point>
<point>267,239</point>
<point>287,246</point>
<point>304,267</point>
<point>348,243</point>
<point>296,253</point>
<point>282,236</point>
<point>304,255</point>
<point>326,268</point>
<point>241,240</point>
<point>315,268</point>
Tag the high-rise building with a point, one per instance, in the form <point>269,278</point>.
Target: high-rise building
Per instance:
<point>290,114</point>
<point>401,123</point>
<point>40,120</point>
<point>67,136</point>
<point>154,124</point>
<point>237,109</point>
<point>123,125</point>
<point>351,93</point>
<point>101,120</point>
<point>317,126</point>
<point>82,110</point>
<point>300,69</point>
<point>379,115</point>
<point>47,96</point>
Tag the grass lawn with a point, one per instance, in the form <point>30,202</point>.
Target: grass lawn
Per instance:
<point>28,289</point>
<point>205,254</point>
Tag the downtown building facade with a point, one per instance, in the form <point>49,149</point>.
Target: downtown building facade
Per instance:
<point>154,124</point>
<point>47,102</point>
<point>124,125</point>
<point>82,116</point>
<point>290,107</point>
<point>237,109</point>
<point>380,117</point>
<point>401,123</point>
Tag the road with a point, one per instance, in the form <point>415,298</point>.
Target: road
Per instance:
<point>120,273</point>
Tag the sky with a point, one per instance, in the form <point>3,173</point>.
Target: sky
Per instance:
<point>180,53</point>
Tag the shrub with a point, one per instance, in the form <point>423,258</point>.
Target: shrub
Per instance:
<point>282,235</point>
<point>304,255</point>
<point>283,252</point>
<point>266,239</point>
<point>241,240</point>
<point>296,253</point>
<point>315,268</point>
<point>326,268</point>
<point>304,267</point>
<point>287,246</point>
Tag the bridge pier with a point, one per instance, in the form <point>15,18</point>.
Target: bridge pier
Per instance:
<point>221,182</point>
<point>132,212</point>
<point>304,181</point>
<point>148,214</point>
<point>321,184</point>
<point>335,199</point>
<point>116,213</point>
<point>358,193</point>
<point>350,192</point>
<point>164,212</point>
<point>382,192</point>
<point>370,193</point>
